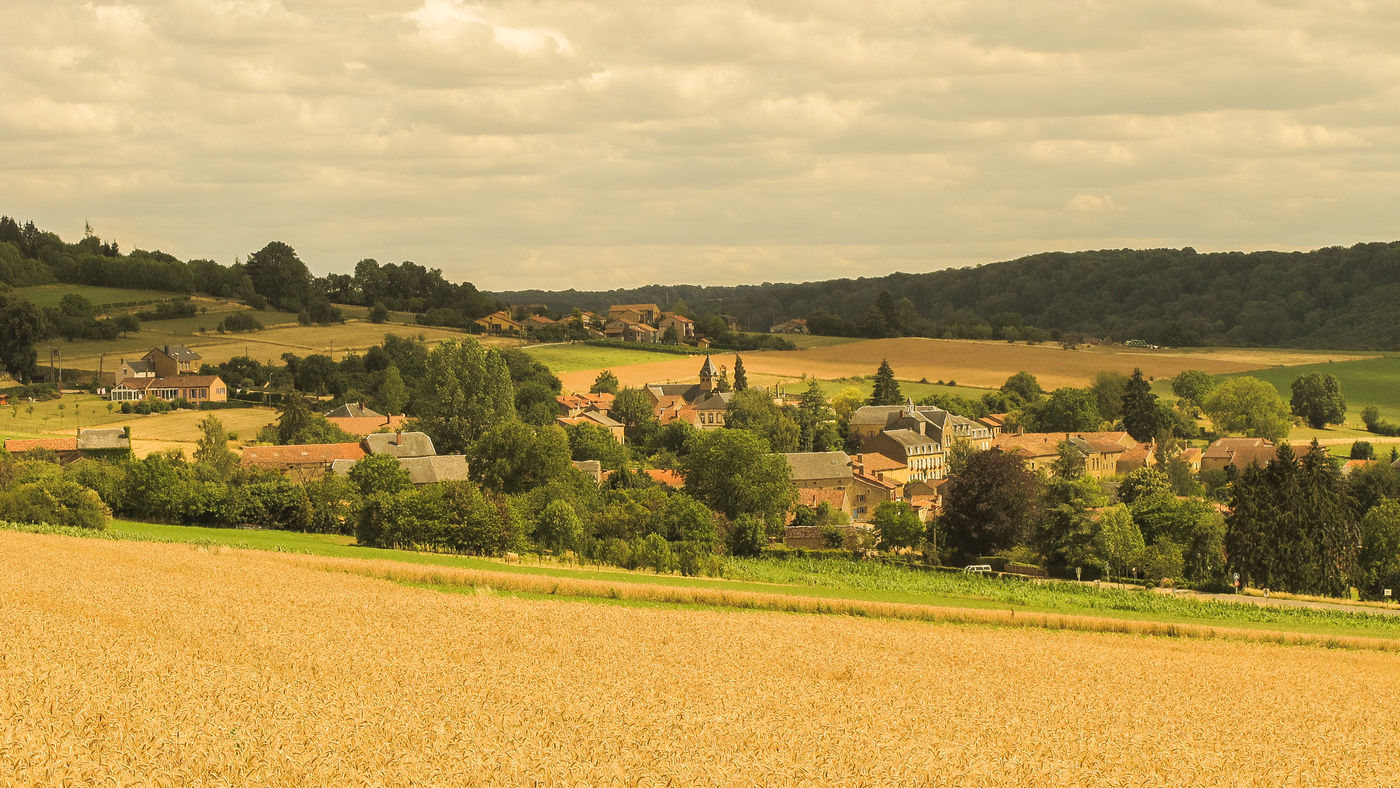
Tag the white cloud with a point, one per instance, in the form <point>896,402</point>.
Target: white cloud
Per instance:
<point>582,143</point>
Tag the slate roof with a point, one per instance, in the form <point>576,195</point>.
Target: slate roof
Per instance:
<point>140,365</point>
<point>818,465</point>
<point>909,438</point>
<point>179,352</point>
<point>709,368</point>
<point>717,401</point>
<point>426,470</point>
<point>352,410</point>
<point>399,444</point>
<point>103,438</point>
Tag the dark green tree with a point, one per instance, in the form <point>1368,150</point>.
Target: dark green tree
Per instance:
<point>1317,398</point>
<point>886,391</point>
<point>513,457</point>
<point>379,473</point>
<point>605,383</point>
<point>466,391</point>
<point>816,421</point>
<point>754,411</point>
<point>1022,388</point>
<point>1065,410</point>
<point>21,325</point>
<point>1141,417</point>
<point>990,506</point>
<point>212,452</point>
<point>280,276</point>
<point>633,408</point>
<point>741,378</point>
<point>1107,390</point>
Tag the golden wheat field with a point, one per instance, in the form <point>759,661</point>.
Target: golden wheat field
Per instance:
<point>968,362</point>
<point>135,663</point>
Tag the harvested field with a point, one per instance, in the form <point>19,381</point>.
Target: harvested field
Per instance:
<point>970,363</point>
<point>135,662</point>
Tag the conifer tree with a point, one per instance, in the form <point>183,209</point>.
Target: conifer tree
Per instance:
<point>1141,416</point>
<point>886,387</point>
<point>741,378</point>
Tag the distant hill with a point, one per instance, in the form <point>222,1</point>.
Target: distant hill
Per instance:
<point>1328,298</point>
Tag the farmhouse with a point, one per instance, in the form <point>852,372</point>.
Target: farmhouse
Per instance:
<point>499,324</point>
<point>635,313</point>
<point>935,422</point>
<point>195,388</point>
<point>168,361</point>
<point>577,404</point>
<point>685,327</point>
<point>920,454</point>
<point>1242,453</point>
<point>821,477</point>
<point>596,419</point>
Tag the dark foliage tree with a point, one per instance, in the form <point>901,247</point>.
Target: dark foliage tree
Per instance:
<point>279,276</point>
<point>21,325</point>
<point>886,391</point>
<point>1141,417</point>
<point>1317,398</point>
<point>990,506</point>
<point>735,473</point>
<point>741,378</point>
<point>1022,388</point>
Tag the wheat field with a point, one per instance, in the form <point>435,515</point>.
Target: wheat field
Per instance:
<point>136,663</point>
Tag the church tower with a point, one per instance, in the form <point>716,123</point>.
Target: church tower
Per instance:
<point>708,376</point>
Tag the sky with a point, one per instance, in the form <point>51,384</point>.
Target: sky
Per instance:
<point>596,145</point>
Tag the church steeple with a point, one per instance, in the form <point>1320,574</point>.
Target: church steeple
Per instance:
<point>708,376</point>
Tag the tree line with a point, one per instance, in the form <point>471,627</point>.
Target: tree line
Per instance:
<point>1177,297</point>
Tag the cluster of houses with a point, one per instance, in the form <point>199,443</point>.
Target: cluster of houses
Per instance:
<point>645,323</point>
<point>413,450</point>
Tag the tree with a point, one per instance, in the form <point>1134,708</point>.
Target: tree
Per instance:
<point>991,505</point>
<point>687,520</point>
<point>513,457</point>
<point>605,383</point>
<point>1318,399</point>
<point>1193,386</point>
<point>1070,462</point>
<point>741,378</point>
<point>1362,450</point>
<point>559,527</point>
<point>379,473</point>
<point>898,525</point>
<point>212,451</point>
<point>466,391</point>
<point>1107,390</point>
<point>592,442</point>
<point>1379,561</point>
<point>1142,482</point>
<point>379,313</point>
<point>846,402</point>
<point>815,421</point>
<point>392,394</point>
<point>958,452</point>
<point>747,536</point>
<point>886,391</point>
<point>1119,539</point>
<point>295,419</point>
<point>1066,532</point>
<point>1248,405</point>
<point>1065,410</point>
<point>633,408</point>
<point>734,472</point>
<point>21,325</point>
<point>279,276</point>
<point>1022,388</point>
<point>1141,417</point>
<point>754,410</point>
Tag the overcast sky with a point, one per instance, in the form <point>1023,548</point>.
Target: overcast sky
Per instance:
<point>614,143</point>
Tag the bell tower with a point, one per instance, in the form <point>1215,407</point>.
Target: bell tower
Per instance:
<point>708,376</point>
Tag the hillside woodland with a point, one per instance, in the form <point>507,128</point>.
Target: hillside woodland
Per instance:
<point>1333,298</point>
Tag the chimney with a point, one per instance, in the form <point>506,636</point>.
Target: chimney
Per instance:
<point>398,437</point>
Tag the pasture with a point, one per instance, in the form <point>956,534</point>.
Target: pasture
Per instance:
<point>133,662</point>
<point>1372,381</point>
<point>50,295</point>
<point>154,432</point>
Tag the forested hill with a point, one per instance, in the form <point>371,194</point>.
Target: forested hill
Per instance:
<point>1333,297</point>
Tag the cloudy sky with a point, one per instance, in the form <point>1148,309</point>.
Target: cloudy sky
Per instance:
<point>547,143</point>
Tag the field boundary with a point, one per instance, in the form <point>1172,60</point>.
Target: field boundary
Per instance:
<point>783,603</point>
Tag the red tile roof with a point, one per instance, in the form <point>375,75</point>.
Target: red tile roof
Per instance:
<point>304,454</point>
<point>17,445</point>
<point>666,477</point>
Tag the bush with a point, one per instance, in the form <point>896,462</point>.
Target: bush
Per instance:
<point>747,536</point>
<point>655,553</point>
<point>55,501</point>
<point>240,321</point>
